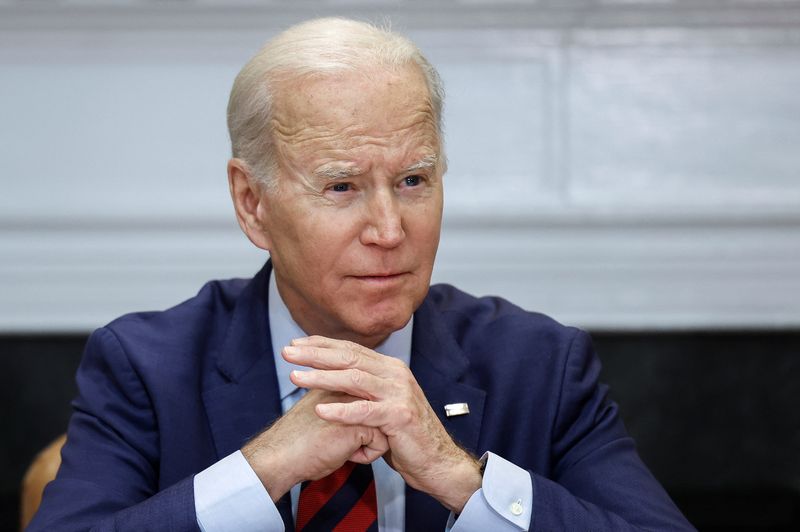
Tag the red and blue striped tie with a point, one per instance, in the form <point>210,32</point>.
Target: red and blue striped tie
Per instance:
<point>344,501</point>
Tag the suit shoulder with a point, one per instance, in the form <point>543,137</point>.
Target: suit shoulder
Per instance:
<point>191,327</point>
<point>476,320</point>
<point>214,296</point>
<point>458,305</point>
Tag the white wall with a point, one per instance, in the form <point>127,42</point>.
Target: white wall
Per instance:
<point>617,164</point>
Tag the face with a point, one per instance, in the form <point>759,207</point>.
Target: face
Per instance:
<point>353,224</point>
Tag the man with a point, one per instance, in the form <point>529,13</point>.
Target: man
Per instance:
<point>199,416</point>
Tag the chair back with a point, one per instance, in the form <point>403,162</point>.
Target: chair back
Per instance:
<point>42,470</point>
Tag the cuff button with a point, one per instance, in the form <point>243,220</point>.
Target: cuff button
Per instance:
<point>516,507</point>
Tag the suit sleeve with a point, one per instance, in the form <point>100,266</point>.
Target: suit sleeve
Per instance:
<point>108,479</point>
<point>598,481</point>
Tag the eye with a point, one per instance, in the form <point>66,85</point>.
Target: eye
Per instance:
<point>412,180</point>
<point>341,187</point>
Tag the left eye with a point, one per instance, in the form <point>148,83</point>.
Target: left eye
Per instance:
<point>412,180</point>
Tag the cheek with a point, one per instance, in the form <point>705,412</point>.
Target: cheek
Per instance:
<point>323,240</point>
<point>426,226</point>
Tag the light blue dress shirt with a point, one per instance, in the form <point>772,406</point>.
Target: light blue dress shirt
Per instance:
<point>230,497</point>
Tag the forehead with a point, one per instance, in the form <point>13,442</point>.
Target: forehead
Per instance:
<point>353,109</point>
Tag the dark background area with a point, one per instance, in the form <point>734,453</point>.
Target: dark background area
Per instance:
<point>714,414</point>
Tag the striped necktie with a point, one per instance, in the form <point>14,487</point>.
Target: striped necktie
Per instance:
<point>344,501</point>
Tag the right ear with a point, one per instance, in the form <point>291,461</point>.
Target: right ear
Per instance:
<point>249,201</point>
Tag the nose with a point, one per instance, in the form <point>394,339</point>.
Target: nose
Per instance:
<point>384,225</point>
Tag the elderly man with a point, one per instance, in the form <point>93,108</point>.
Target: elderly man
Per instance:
<point>337,390</point>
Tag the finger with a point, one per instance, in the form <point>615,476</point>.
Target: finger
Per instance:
<point>350,381</point>
<point>363,412</point>
<point>323,341</point>
<point>376,447</point>
<point>365,455</point>
<point>359,457</point>
<point>333,343</point>
<point>328,358</point>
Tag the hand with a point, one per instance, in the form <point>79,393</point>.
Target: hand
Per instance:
<point>302,446</point>
<point>421,450</point>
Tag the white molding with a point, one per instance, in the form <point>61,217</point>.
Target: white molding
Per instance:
<point>612,276</point>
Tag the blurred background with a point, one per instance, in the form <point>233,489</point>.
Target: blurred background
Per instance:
<point>630,167</point>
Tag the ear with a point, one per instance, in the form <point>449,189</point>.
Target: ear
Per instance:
<point>250,203</point>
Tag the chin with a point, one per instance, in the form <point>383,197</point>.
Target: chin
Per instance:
<point>380,325</point>
<point>373,317</point>
<point>386,325</point>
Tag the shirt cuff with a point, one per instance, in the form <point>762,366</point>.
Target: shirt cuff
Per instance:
<point>228,496</point>
<point>504,501</point>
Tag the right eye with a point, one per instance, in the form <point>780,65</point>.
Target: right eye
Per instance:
<point>341,187</point>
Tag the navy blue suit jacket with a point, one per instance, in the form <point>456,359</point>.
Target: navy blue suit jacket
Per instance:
<point>163,395</point>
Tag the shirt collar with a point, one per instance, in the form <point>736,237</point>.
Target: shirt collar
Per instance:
<point>283,329</point>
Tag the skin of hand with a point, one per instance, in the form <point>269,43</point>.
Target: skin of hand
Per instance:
<point>420,449</point>
<point>302,446</point>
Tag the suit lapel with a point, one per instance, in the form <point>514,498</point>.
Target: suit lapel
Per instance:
<point>247,400</point>
<point>239,410</point>
<point>438,364</point>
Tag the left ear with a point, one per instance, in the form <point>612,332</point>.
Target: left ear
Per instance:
<point>249,201</point>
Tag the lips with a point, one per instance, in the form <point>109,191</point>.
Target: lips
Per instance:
<point>380,275</point>
<point>377,277</point>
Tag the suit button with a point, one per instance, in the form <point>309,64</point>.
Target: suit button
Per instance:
<point>516,507</point>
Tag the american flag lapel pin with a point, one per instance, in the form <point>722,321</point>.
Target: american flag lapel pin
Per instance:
<point>456,409</point>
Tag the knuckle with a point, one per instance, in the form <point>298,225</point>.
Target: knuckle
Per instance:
<point>397,363</point>
<point>348,358</point>
<point>348,410</point>
<point>359,349</point>
<point>365,435</point>
<point>349,345</point>
<point>363,408</point>
<point>356,376</point>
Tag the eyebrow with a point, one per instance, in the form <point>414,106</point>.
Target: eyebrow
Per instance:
<point>423,164</point>
<point>337,173</point>
<point>333,172</point>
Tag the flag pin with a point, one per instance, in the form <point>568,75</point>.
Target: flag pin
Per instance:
<point>456,409</point>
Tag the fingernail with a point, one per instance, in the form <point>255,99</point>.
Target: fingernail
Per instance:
<point>301,340</point>
<point>299,375</point>
<point>289,350</point>
<point>324,408</point>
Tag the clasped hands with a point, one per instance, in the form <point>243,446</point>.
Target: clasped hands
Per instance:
<point>361,405</point>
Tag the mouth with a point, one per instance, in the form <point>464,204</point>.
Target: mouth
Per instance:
<point>380,278</point>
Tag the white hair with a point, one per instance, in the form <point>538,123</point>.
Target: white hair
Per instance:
<point>316,47</point>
